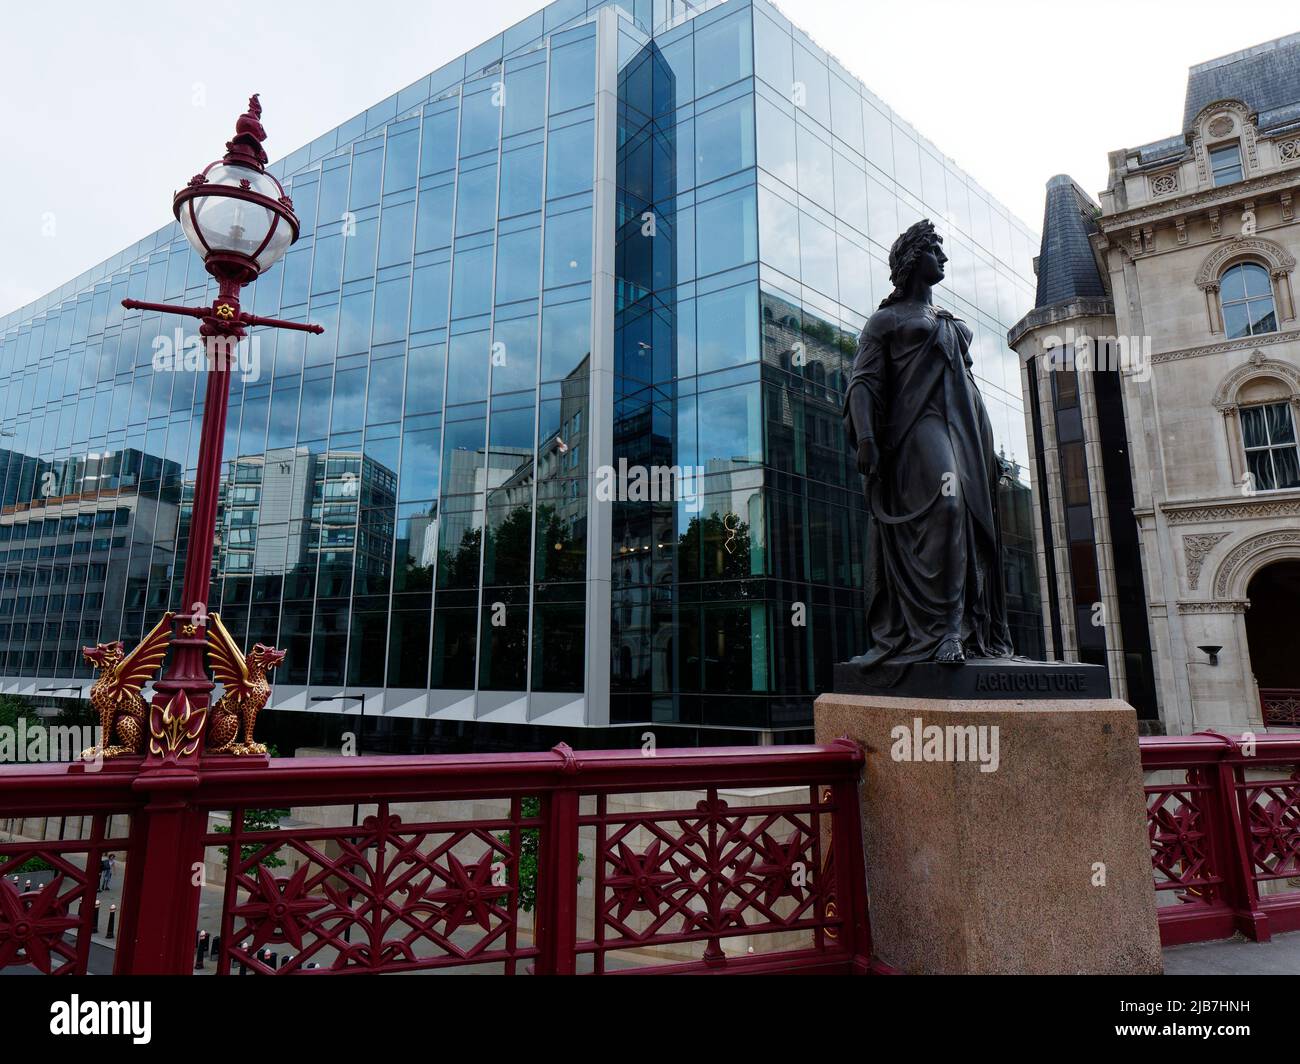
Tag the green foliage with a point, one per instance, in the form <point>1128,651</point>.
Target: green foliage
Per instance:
<point>709,550</point>
<point>257,820</point>
<point>529,847</point>
<point>459,568</point>
<point>70,712</point>
<point>32,864</point>
<point>12,708</point>
<point>79,712</point>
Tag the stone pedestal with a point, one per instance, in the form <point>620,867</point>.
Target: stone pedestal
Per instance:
<point>1039,865</point>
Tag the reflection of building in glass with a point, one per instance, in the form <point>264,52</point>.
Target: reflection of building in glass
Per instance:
<point>608,233</point>
<point>338,505</point>
<point>63,553</point>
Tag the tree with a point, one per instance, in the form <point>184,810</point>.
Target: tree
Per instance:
<point>13,708</point>
<point>711,550</point>
<point>529,848</point>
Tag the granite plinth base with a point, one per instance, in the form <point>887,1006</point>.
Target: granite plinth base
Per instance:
<point>1002,835</point>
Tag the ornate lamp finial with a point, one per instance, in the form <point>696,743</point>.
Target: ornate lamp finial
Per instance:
<point>245,148</point>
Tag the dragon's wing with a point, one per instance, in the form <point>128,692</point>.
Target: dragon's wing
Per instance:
<point>225,658</point>
<point>137,667</point>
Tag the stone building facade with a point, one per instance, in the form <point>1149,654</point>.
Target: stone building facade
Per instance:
<point>1161,368</point>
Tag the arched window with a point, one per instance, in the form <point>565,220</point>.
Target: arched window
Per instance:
<point>1246,294</point>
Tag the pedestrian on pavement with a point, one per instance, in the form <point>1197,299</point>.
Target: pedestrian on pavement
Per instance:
<point>104,873</point>
<point>112,867</point>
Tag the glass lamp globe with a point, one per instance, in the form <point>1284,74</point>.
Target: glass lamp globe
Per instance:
<point>235,214</point>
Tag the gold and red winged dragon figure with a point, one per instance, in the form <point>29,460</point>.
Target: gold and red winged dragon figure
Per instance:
<point>115,694</point>
<point>246,689</point>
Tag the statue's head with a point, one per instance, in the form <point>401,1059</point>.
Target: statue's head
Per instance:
<point>103,655</point>
<point>918,252</point>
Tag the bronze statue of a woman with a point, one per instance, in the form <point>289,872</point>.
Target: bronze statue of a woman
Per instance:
<point>924,446</point>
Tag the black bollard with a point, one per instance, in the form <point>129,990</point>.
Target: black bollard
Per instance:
<point>284,961</point>
<point>112,922</point>
<point>200,951</point>
<point>96,930</point>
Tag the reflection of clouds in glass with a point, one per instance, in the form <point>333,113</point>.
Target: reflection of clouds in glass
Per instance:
<point>566,338</point>
<point>815,176</point>
<point>512,428</point>
<point>779,238</point>
<point>349,401</point>
<point>776,140</point>
<point>730,431</point>
<point>384,399</point>
<point>817,255</point>
<point>515,367</point>
<point>419,474</point>
<point>726,231</point>
<point>728,328</point>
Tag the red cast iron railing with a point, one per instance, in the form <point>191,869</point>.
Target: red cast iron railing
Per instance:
<point>710,860</point>
<point>723,851</point>
<point>1223,815</point>
<point>1280,706</point>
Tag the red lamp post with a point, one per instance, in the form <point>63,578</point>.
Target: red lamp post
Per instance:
<point>238,218</point>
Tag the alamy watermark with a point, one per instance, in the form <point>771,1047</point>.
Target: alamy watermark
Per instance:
<point>638,483</point>
<point>179,353</point>
<point>114,1018</point>
<point>1083,352</point>
<point>36,744</point>
<point>948,743</point>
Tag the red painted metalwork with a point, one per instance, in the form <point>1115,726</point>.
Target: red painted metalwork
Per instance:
<point>674,879</point>
<point>402,892</point>
<point>1226,835</point>
<point>1280,706</point>
<point>49,925</point>
<point>170,771</point>
<point>181,696</point>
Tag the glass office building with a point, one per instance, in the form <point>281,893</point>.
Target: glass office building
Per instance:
<point>613,237</point>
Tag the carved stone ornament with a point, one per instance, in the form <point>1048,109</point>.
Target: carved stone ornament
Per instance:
<point>1221,126</point>
<point>1164,184</point>
<point>1196,549</point>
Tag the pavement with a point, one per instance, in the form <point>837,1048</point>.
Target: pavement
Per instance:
<point>1236,956</point>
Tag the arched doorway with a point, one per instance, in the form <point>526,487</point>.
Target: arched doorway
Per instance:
<point>1273,633</point>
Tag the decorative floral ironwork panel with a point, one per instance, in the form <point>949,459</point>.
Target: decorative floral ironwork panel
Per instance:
<point>1181,855</point>
<point>47,899</point>
<point>1280,707</point>
<point>710,873</point>
<point>384,895</point>
<point>1273,813</point>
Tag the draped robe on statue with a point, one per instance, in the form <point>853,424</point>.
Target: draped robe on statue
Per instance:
<point>936,544</point>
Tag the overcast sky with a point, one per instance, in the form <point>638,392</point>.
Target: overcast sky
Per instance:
<point>109,107</point>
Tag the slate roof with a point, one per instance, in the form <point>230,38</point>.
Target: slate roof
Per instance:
<point>1161,151</point>
<point>1265,78</point>
<point>1067,267</point>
